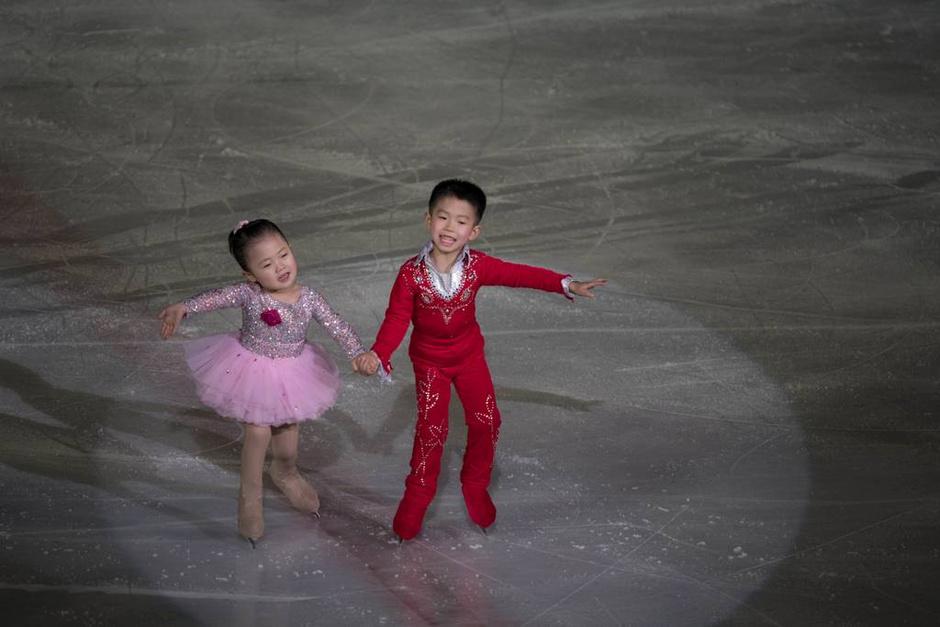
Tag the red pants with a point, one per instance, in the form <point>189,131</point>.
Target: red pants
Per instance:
<point>475,389</point>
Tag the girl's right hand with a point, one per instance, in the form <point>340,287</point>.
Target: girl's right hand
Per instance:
<point>171,317</point>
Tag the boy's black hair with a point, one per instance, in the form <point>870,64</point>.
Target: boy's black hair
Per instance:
<point>239,239</point>
<point>463,190</point>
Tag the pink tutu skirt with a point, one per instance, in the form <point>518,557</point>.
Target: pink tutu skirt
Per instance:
<point>252,388</point>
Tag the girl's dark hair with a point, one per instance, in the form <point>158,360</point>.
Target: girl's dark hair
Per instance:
<point>239,239</point>
<point>463,190</point>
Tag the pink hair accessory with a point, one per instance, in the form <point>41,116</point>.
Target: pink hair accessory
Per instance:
<point>239,225</point>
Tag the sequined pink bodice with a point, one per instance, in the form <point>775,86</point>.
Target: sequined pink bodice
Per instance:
<point>287,338</point>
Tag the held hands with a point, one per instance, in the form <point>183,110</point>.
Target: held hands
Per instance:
<point>583,288</point>
<point>366,363</point>
<point>171,317</point>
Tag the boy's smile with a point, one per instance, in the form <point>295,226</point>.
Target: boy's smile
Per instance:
<point>452,224</point>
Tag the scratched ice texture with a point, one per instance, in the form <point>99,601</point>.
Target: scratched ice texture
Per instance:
<point>740,430</point>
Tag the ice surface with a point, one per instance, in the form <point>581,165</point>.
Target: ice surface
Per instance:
<point>741,429</point>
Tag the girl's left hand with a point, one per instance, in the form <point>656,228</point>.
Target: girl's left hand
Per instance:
<point>171,317</point>
<point>366,364</point>
<point>583,288</point>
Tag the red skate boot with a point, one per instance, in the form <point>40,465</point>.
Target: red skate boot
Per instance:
<point>479,505</point>
<point>411,510</point>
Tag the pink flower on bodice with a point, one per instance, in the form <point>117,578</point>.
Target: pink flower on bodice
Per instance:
<point>271,317</point>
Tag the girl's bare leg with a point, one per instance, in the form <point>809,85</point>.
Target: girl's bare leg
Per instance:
<point>250,494</point>
<point>284,473</point>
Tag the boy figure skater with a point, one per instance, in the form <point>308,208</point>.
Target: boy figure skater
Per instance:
<point>436,291</point>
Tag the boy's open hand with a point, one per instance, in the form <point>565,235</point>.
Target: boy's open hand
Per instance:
<point>171,317</point>
<point>583,288</point>
<point>366,364</point>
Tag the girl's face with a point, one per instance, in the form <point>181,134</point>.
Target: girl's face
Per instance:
<point>452,224</point>
<point>271,263</point>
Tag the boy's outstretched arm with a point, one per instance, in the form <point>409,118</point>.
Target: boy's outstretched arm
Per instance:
<point>495,271</point>
<point>583,288</point>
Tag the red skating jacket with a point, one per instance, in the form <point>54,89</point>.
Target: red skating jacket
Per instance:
<point>446,331</point>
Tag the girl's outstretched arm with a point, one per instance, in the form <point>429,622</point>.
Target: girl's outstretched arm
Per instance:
<point>171,317</point>
<point>210,300</point>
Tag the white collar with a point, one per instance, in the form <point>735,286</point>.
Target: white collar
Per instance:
<point>446,284</point>
<point>429,246</point>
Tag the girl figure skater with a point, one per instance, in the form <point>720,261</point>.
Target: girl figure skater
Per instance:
<point>266,376</point>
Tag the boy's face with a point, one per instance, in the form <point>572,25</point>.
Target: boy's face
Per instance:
<point>452,223</point>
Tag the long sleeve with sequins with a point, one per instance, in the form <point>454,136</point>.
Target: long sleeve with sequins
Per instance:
<point>235,295</point>
<point>287,336</point>
<point>340,330</point>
